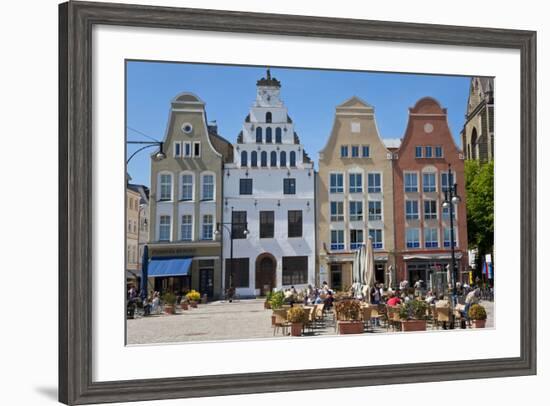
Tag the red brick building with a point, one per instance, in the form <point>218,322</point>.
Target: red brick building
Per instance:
<point>422,225</point>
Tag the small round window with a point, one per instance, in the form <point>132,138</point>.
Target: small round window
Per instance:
<point>428,128</point>
<point>187,128</point>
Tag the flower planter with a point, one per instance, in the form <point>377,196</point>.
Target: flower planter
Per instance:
<point>413,325</point>
<point>350,327</point>
<point>184,306</point>
<point>169,309</point>
<point>478,323</point>
<point>193,304</point>
<point>296,329</point>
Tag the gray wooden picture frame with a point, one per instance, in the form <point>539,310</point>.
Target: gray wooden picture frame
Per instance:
<point>76,20</point>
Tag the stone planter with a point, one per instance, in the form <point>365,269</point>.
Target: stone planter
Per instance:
<point>478,323</point>
<point>169,309</point>
<point>350,327</point>
<point>413,325</point>
<point>296,329</point>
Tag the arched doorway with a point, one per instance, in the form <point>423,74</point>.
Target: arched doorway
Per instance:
<point>265,273</point>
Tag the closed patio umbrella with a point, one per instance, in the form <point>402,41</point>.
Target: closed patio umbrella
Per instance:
<point>369,267</point>
<point>144,272</point>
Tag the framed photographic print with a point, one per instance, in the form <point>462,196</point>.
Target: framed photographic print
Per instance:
<point>259,202</point>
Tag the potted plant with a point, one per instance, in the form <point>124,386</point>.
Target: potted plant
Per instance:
<point>193,297</point>
<point>413,315</point>
<point>277,299</point>
<point>297,317</point>
<point>267,303</point>
<point>478,315</point>
<point>169,303</point>
<point>184,304</point>
<point>349,314</point>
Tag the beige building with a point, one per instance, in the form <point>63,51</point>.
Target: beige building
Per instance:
<point>354,196</point>
<point>133,268</point>
<point>478,134</point>
<point>186,202</point>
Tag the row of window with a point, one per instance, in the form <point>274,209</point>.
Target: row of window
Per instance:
<point>295,271</point>
<point>431,237</point>
<point>132,256</point>
<point>356,239</point>
<point>356,211</point>
<point>187,188</point>
<point>357,151</point>
<point>428,151</point>
<point>430,210</point>
<point>187,149</point>
<point>374,183</point>
<point>269,135</point>
<point>238,225</point>
<point>273,161</point>
<point>132,203</point>
<point>429,181</point>
<point>246,188</point>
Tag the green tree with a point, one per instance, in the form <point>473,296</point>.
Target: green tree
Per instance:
<point>480,206</point>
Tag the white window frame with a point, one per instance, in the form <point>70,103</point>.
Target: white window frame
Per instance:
<point>342,150</point>
<point>194,149</point>
<point>160,186</point>
<point>381,182</point>
<point>377,245</point>
<point>338,189</point>
<point>190,225</point>
<point>431,214</point>
<point>161,225</point>
<point>440,147</point>
<point>356,217</point>
<point>409,216</point>
<point>426,149</point>
<point>204,224</point>
<point>203,189</point>
<point>381,215</point>
<point>410,173</point>
<point>357,147</point>
<point>430,240</point>
<point>434,185</point>
<point>416,149</point>
<point>177,145</point>
<point>337,245</point>
<point>414,243</point>
<point>447,242</point>
<point>357,244</point>
<point>336,217</point>
<point>184,151</point>
<point>192,186</point>
<point>357,189</point>
<point>363,151</point>
<point>444,174</point>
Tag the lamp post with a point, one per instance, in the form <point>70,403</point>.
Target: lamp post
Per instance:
<point>229,228</point>
<point>159,156</point>
<point>451,199</point>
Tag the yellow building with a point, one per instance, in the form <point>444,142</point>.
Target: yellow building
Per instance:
<point>354,196</point>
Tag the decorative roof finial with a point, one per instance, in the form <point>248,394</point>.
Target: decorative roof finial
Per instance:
<point>268,74</point>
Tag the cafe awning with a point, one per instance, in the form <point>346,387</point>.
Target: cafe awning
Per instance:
<point>159,267</point>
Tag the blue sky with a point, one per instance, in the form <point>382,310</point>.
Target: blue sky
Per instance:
<point>310,95</point>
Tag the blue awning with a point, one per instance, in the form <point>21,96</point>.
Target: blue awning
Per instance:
<point>169,267</point>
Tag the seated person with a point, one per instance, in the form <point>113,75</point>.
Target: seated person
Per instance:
<point>393,300</point>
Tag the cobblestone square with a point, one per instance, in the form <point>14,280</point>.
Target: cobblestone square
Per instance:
<point>220,320</point>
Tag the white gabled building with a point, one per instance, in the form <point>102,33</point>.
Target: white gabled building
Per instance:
<point>269,189</point>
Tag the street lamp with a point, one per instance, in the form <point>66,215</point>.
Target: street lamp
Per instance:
<point>229,228</point>
<point>451,199</point>
<point>159,156</point>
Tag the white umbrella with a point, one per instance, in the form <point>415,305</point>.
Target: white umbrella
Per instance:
<point>369,267</point>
